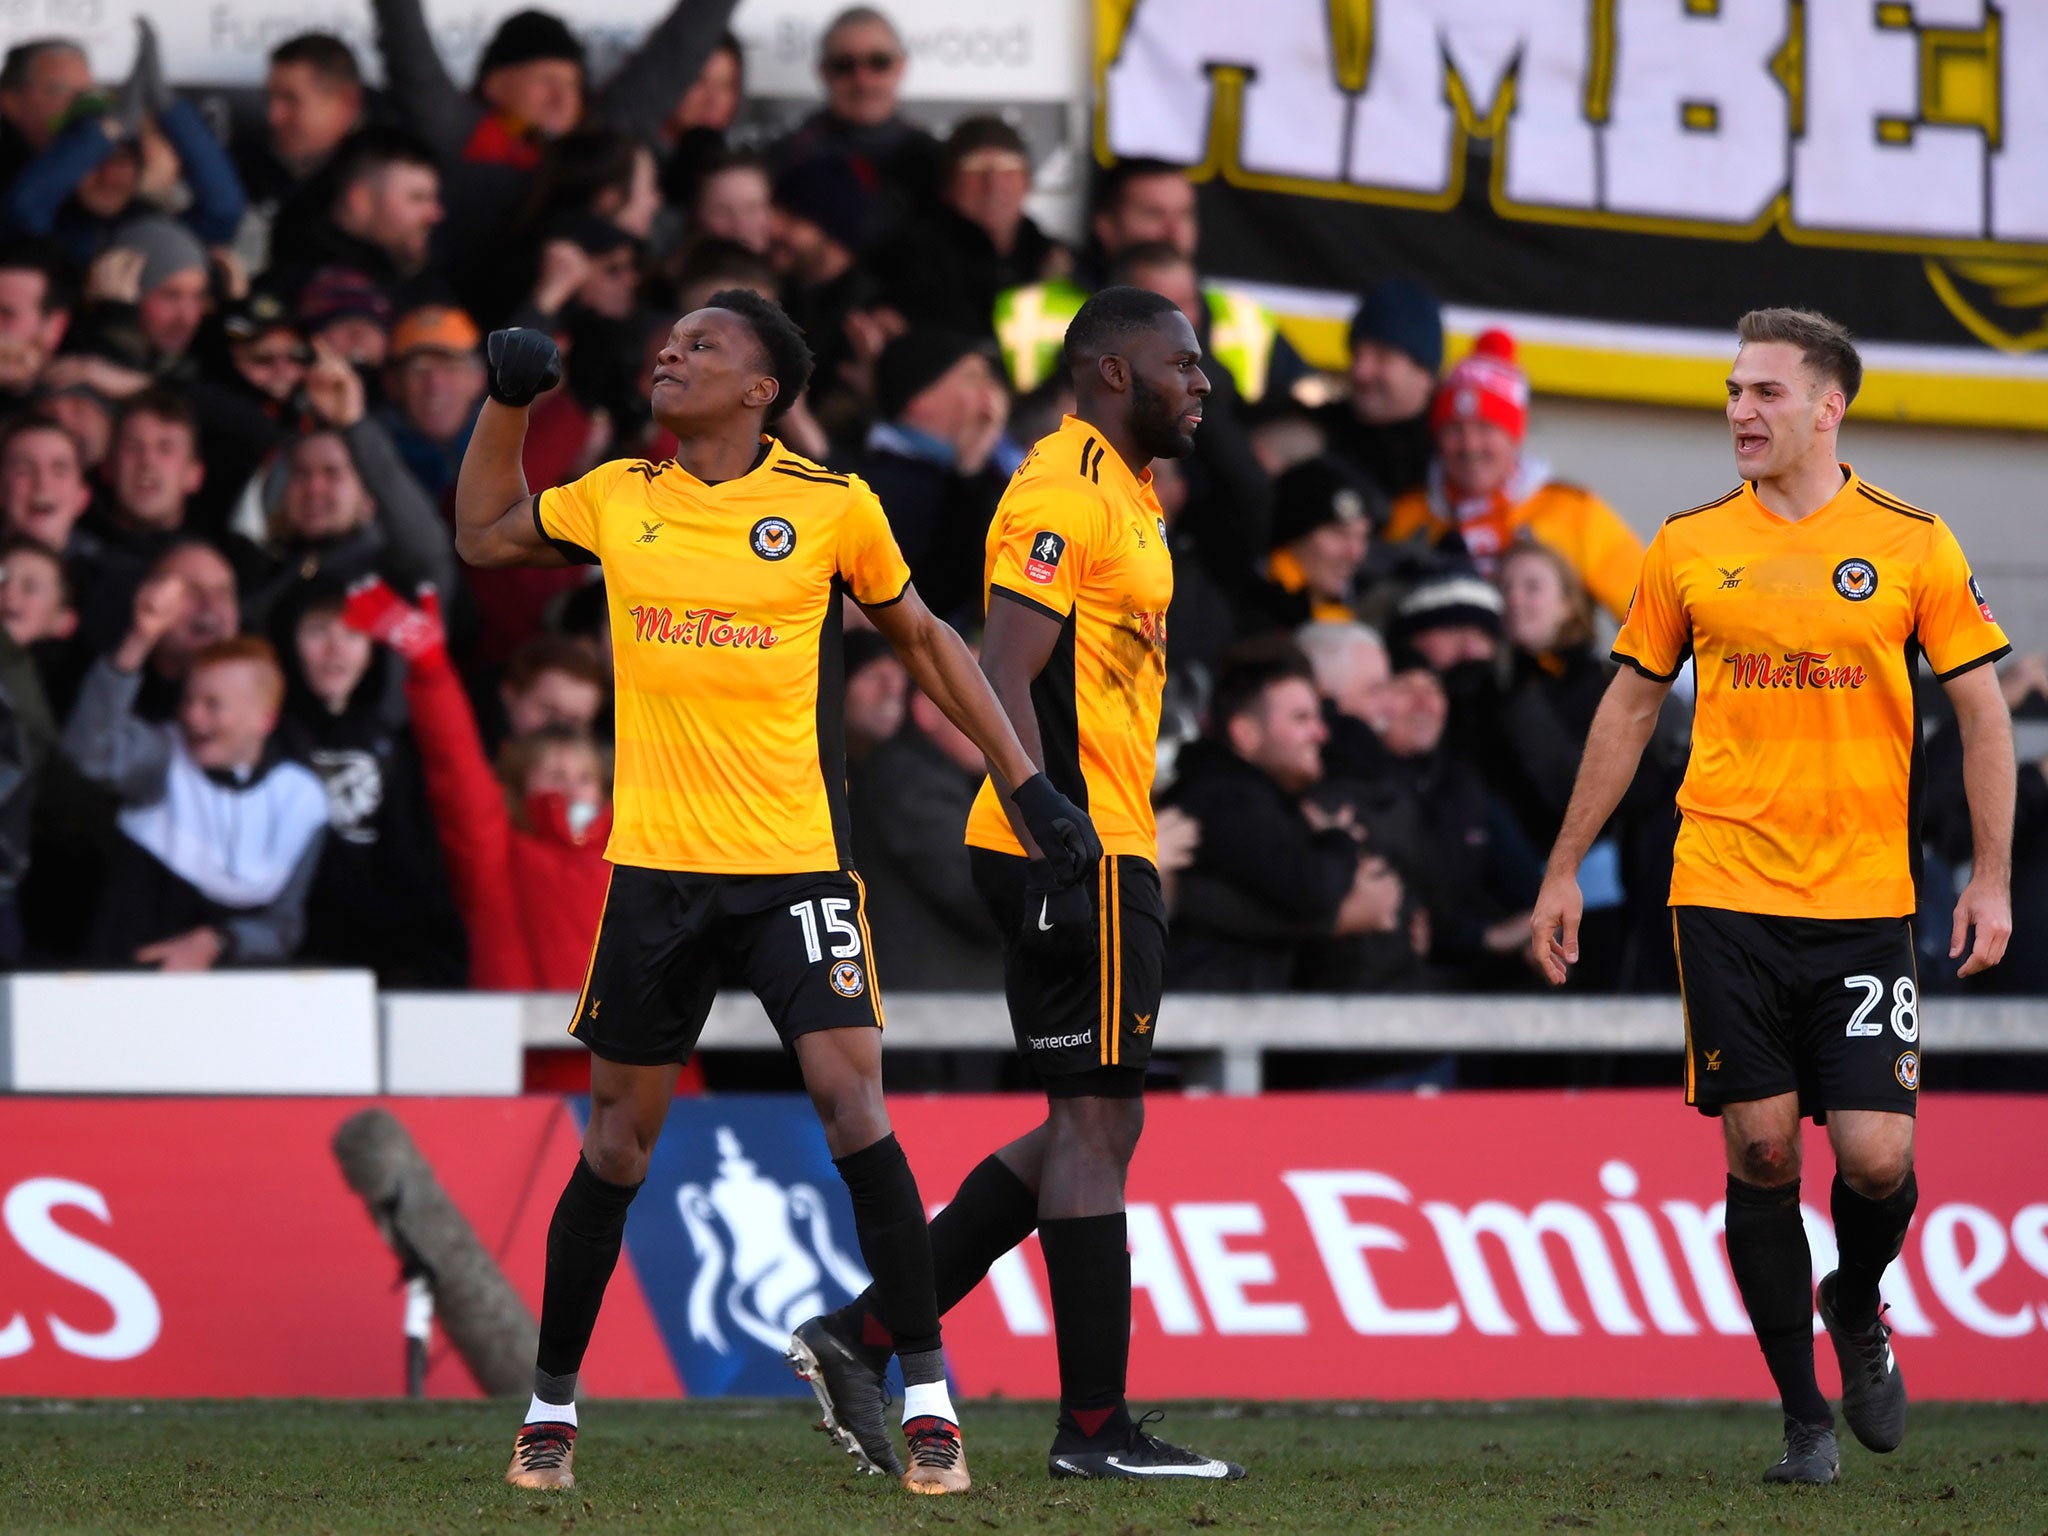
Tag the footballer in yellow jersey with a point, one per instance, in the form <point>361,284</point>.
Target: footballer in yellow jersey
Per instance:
<point>725,570</point>
<point>1079,580</point>
<point>1804,600</point>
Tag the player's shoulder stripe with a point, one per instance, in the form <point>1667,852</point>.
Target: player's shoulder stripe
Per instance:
<point>797,467</point>
<point>1091,459</point>
<point>1892,503</point>
<point>813,476</point>
<point>1705,506</point>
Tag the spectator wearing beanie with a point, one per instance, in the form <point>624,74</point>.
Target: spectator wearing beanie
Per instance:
<point>861,62</point>
<point>267,354</point>
<point>947,266</point>
<point>1397,351</point>
<point>933,459</point>
<point>531,85</point>
<point>146,298</point>
<point>1321,534</point>
<point>1448,619</point>
<point>1484,493</point>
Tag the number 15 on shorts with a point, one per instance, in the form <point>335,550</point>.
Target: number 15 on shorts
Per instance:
<point>833,910</point>
<point>1905,1019</point>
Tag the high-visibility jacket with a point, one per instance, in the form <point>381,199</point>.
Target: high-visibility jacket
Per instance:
<point>1031,324</point>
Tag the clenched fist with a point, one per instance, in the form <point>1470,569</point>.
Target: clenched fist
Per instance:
<point>521,365</point>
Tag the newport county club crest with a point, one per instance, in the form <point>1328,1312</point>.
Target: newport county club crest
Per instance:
<point>773,538</point>
<point>1856,579</point>
<point>743,1232</point>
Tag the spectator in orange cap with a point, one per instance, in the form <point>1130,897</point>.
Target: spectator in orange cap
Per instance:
<point>434,381</point>
<point>1485,493</point>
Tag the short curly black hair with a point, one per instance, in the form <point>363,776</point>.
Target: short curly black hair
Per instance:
<point>1108,319</point>
<point>788,354</point>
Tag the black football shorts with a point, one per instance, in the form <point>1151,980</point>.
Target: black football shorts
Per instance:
<point>667,941</point>
<point>1827,1008</point>
<point>1084,1018</point>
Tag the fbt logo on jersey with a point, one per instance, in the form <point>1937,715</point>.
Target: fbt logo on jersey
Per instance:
<point>110,1313</point>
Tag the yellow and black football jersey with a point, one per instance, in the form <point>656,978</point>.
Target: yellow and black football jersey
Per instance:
<point>1081,539</point>
<point>724,605</point>
<point>1804,636</point>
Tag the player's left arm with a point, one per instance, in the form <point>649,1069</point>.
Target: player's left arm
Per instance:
<point>872,566</point>
<point>1990,779</point>
<point>945,671</point>
<point>941,666</point>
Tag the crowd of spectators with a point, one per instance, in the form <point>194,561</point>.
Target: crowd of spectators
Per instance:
<point>254,711</point>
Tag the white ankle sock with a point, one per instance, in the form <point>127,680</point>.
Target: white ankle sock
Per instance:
<point>538,1412</point>
<point>929,1400</point>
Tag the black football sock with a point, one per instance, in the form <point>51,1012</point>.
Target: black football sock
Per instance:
<point>583,1249</point>
<point>1088,1268</point>
<point>888,1218</point>
<point>991,1213</point>
<point>1868,1236</point>
<point>1774,1271</point>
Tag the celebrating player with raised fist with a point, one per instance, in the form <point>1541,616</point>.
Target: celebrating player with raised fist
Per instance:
<point>723,569</point>
<point>1804,599</point>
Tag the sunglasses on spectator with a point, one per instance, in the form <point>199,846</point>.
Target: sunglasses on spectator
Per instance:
<point>844,65</point>
<point>277,357</point>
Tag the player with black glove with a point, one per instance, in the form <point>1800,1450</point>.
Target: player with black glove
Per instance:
<point>1058,913</point>
<point>521,365</point>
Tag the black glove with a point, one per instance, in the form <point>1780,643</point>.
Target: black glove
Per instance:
<point>522,364</point>
<point>1062,830</point>
<point>1058,918</point>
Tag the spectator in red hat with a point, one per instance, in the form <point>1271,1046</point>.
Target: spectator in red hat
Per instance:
<point>1485,493</point>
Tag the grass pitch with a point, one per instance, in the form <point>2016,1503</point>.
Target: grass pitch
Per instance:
<point>747,1467</point>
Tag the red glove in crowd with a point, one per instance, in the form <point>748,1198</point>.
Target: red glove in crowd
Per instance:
<point>375,610</point>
